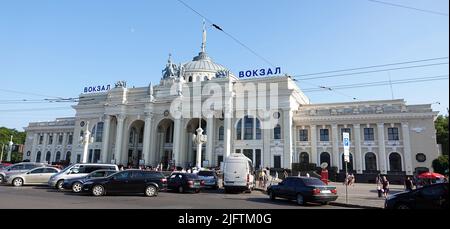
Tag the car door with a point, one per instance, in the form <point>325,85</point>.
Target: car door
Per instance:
<point>119,182</point>
<point>136,182</point>
<point>34,176</point>
<point>281,189</point>
<point>48,172</point>
<point>431,197</point>
<point>290,191</point>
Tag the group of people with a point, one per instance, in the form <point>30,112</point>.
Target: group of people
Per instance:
<point>263,177</point>
<point>349,179</point>
<point>382,186</point>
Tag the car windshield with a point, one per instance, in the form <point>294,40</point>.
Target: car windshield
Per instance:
<point>313,182</point>
<point>206,173</point>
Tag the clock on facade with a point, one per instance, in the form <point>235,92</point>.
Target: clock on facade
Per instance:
<point>166,113</point>
<point>82,123</point>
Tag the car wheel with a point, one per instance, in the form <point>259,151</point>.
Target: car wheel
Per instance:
<point>76,187</point>
<point>151,191</point>
<point>59,184</point>
<point>300,200</point>
<point>180,189</point>
<point>272,196</point>
<point>17,182</point>
<point>1,179</point>
<point>197,190</point>
<point>98,190</point>
<point>403,206</point>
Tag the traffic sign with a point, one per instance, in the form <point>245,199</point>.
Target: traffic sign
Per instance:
<point>346,142</point>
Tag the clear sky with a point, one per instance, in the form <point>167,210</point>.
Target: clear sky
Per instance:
<point>56,48</point>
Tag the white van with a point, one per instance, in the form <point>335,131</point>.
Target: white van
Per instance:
<point>77,171</point>
<point>238,173</point>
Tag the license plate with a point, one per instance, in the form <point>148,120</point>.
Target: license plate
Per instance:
<point>197,183</point>
<point>325,191</point>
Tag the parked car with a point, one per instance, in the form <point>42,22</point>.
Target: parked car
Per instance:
<point>303,189</point>
<point>184,182</point>
<point>210,178</point>
<point>77,171</point>
<point>434,196</point>
<point>238,173</point>
<point>76,184</point>
<point>36,176</point>
<point>4,165</point>
<point>18,168</point>
<point>128,181</point>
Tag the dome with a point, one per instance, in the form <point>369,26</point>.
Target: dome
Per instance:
<point>203,63</point>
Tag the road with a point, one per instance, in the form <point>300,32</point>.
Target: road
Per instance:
<point>42,197</point>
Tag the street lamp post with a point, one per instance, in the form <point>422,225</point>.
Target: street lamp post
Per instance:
<point>86,140</point>
<point>199,139</point>
<point>10,149</point>
<point>1,156</point>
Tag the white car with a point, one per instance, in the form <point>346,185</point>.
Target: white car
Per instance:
<point>36,176</point>
<point>238,173</point>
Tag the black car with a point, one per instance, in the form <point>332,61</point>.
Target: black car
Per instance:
<point>303,189</point>
<point>76,184</point>
<point>433,196</point>
<point>128,181</point>
<point>183,182</point>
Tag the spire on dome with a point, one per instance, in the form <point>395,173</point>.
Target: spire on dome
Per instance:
<point>204,37</point>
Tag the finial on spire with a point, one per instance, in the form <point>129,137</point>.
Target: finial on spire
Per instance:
<point>170,58</point>
<point>204,37</point>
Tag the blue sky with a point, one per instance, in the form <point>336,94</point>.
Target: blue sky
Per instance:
<point>58,47</point>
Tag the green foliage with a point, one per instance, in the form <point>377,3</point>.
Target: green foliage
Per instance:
<point>441,125</point>
<point>18,138</point>
<point>440,164</point>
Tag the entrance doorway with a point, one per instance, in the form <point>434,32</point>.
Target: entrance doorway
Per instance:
<point>254,155</point>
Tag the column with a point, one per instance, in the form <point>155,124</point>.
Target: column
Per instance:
<point>287,134</point>
<point>119,138</point>
<point>33,148</point>
<point>315,158</point>
<point>161,146</point>
<point>266,150</point>
<point>53,149</point>
<point>407,148</point>
<point>358,156</point>
<point>210,130</point>
<point>105,140</point>
<point>177,141</point>
<point>335,139</point>
<point>381,148</point>
<point>228,119</point>
<point>147,138</point>
<point>153,147</point>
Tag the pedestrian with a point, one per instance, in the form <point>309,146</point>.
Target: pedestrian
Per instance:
<point>307,174</point>
<point>408,184</point>
<point>266,178</point>
<point>261,178</point>
<point>385,186</point>
<point>285,174</point>
<point>379,183</point>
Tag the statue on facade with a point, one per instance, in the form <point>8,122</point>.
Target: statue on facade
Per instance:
<point>150,91</point>
<point>170,70</point>
<point>180,71</point>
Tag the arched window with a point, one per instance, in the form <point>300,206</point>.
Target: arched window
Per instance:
<point>48,156</point>
<point>169,134</point>
<point>132,135</point>
<point>248,128</point>
<point>349,164</point>
<point>277,132</point>
<point>190,79</point>
<point>395,162</point>
<point>325,157</point>
<point>38,156</point>
<point>141,136</point>
<point>370,161</point>
<point>58,156</point>
<point>304,158</point>
<point>239,130</point>
<point>221,133</point>
<point>68,155</point>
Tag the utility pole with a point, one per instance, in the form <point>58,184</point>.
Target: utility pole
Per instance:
<point>10,149</point>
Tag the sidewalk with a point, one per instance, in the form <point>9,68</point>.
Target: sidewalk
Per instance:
<point>360,195</point>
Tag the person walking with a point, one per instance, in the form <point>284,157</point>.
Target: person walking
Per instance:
<point>385,186</point>
<point>285,174</point>
<point>408,184</point>
<point>378,181</point>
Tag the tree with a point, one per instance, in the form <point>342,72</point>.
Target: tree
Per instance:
<point>18,138</point>
<point>441,125</point>
<point>440,164</point>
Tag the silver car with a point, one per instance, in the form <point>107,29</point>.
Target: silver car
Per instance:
<point>18,168</point>
<point>36,176</point>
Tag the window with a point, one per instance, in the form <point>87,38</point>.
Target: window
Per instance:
<point>50,170</point>
<point>258,129</point>
<point>38,156</point>
<point>41,170</point>
<point>221,133</point>
<point>324,135</point>
<point>304,158</point>
<point>277,132</point>
<point>277,162</point>
<point>41,139</point>
<point>99,132</point>
<point>248,128</point>
<point>141,136</point>
<point>239,130</point>
<point>169,134</point>
<point>28,153</point>
<point>78,158</point>
<point>420,157</point>
<point>68,155</point>
<point>122,175</point>
<point>395,162</point>
<point>58,156</point>
<point>48,156</point>
<point>60,139</point>
<point>303,135</point>
<point>50,139</point>
<point>370,161</point>
<point>325,157</point>
<point>257,158</point>
<point>369,134</point>
<point>346,130</point>
<point>219,160</point>
<point>70,139</point>
<point>132,135</point>
<point>393,134</point>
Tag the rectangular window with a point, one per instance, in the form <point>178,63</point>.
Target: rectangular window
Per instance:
<point>248,128</point>
<point>324,135</point>
<point>221,133</point>
<point>239,130</point>
<point>78,158</point>
<point>99,132</point>
<point>393,134</point>
<point>369,134</point>
<point>346,130</point>
<point>50,139</point>
<point>41,139</point>
<point>258,130</point>
<point>238,151</point>
<point>277,162</point>
<point>303,135</point>
<point>219,160</point>
<point>70,139</point>
<point>60,139</point>
<point>257,158</point>
<point>96,155</point>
